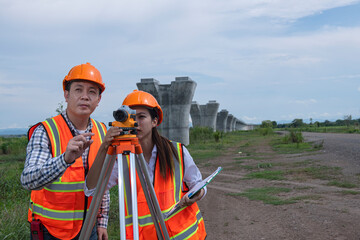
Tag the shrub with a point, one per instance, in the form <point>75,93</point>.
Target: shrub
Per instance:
<point>265,131</point>
<point>201,134</point>
<point>15,145</point>
<point>293,137</point>
<point>217,136</point>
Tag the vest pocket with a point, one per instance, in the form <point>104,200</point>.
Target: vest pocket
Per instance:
<point>181,221</point>
<point>59,198</point>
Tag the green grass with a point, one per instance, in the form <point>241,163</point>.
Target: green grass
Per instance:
<point>264,165</point>
<point>114,224</point>
<point>319,172</point>
<point>342,184</point>
<point>14,202</point>
<point>269,175</point>
<point>266,195</point>
<point>291,148</point>
<point>208,148</point>
<point>349,192</point>
<point>329,129</point>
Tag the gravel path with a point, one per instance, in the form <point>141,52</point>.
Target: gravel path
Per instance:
<point>325,213</point>
<point>341,148</point>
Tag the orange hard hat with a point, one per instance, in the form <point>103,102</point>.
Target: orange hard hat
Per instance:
<point>85,72</point>
<point>141,98</point>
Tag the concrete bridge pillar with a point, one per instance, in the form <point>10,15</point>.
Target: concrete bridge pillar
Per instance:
<point>204,115</point>
<point>229,123</point>
<point>175,101</point>
<point>233,123</point>
<point>195,113</point>
<point>221,120</point>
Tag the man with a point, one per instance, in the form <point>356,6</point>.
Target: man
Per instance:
<point>60,152</point>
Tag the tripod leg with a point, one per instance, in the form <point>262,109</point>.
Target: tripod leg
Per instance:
<point>134,197</point>
<point>149,201</point>
<point>121,197</point>
<point>99,193</point>
<point>153,195</point>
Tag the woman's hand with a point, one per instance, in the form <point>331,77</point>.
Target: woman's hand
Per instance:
<point>186,201</point>
<point>110,135</point>
<point>94,172</point>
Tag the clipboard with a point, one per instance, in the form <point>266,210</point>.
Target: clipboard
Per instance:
<point>194,190</point>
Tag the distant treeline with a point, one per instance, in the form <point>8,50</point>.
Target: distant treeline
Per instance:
<point>299,123</point>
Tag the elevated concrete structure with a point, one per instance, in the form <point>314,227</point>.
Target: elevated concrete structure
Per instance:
<point>221,120</point>
<point>229,123</point>
<point>233,124</point>
<point>175,101</point>
<point>204,115</point>
<point>240,125</point>
<point>195,114</point>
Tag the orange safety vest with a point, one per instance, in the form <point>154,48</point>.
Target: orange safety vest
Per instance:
<point>187,223</point>
<point>61,205</point>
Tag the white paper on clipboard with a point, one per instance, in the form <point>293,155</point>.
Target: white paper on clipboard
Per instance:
<point>195,189</point>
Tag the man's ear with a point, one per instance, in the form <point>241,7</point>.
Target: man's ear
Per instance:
<point>99,100</point>
<point>66,95</point>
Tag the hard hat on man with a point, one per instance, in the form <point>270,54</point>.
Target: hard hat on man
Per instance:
<point>85,72</point>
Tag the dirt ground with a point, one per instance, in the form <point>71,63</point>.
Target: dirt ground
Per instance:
<point>320,211</point>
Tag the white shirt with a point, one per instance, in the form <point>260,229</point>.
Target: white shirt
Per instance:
<point>192,175</point>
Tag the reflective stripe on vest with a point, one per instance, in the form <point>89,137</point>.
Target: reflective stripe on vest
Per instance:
<point>55,140</point>
<point>100,129</point>
<point>58,215</point>
<point>187,233</point>
<point>178,172</point>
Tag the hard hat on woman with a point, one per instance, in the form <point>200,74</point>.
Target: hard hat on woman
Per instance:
<point>141,98</point>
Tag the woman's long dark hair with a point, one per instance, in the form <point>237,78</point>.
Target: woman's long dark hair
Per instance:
<point>165,149</point>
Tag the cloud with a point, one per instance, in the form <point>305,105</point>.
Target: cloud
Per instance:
<point>304,102</point>
<point>249,119</point>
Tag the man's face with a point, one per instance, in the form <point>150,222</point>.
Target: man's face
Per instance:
<point>82,98</point>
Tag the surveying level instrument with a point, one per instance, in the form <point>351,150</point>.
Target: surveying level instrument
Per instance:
<point>126,146</point>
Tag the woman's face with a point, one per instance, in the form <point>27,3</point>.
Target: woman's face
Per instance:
<point>146,124</point>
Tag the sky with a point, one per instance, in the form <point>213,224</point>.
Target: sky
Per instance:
<point>261,60</point>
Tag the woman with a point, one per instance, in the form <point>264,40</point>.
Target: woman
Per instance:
<point>165,160</point>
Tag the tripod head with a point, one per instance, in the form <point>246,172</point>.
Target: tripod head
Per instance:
<point>126,120</point>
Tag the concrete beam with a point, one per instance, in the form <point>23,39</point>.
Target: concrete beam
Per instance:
<point>221,120</point>
<point>175,100</point>
<point>240,125</point>
<point>204,115</point>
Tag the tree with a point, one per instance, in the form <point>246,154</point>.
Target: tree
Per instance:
<point>266,124</point>
<point>297,122</point>
<point>327,123</point>
<point>347,119</point>
<point>60,108</point>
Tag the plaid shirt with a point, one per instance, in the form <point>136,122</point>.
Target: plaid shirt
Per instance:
<point>41,169</point>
